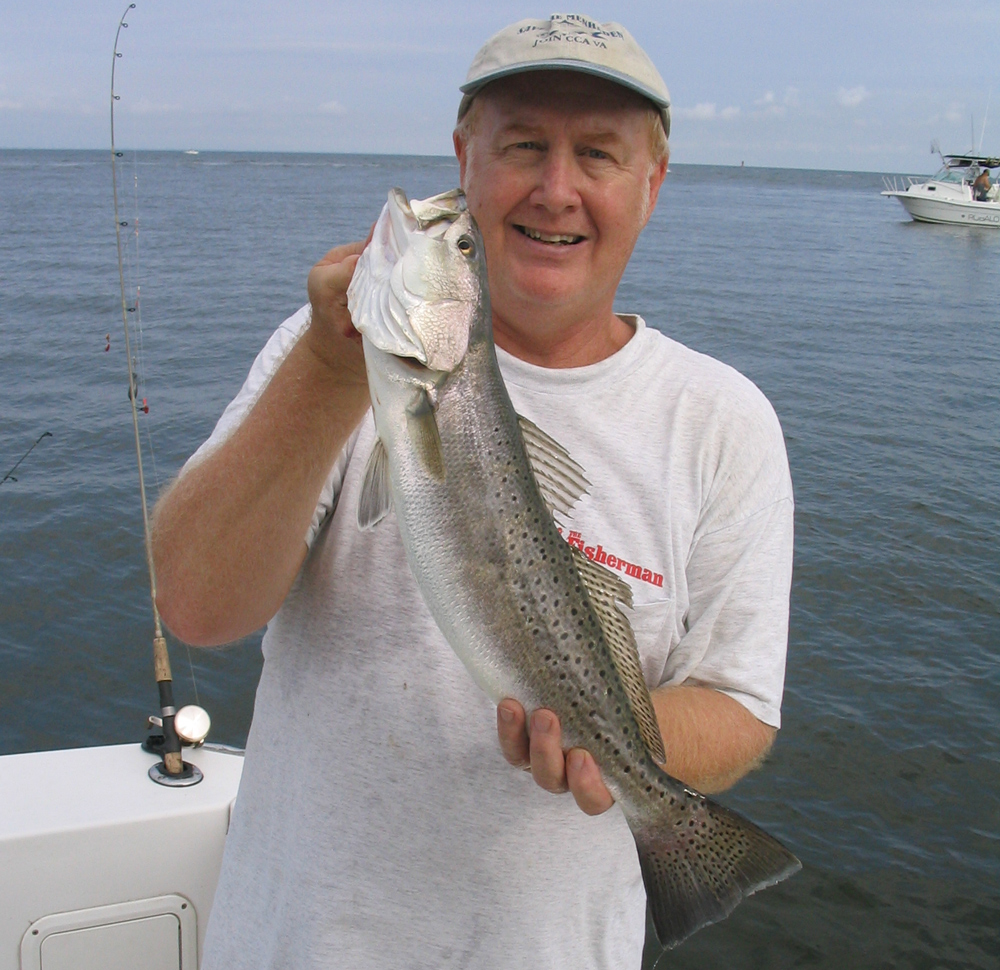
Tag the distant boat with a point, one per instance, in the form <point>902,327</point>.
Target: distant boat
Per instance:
<point>190,151</point>
<point>950,196</point>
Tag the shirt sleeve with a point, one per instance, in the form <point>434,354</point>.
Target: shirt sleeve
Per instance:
<point>264,366</point>
<point>739,567</point>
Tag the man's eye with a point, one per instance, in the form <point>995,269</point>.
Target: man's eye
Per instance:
<point>596,153</point>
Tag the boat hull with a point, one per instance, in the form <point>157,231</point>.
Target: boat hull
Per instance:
<point>949,211</point>
<point>102,867</point>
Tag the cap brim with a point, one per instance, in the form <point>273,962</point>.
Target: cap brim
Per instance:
<point>471,88</point>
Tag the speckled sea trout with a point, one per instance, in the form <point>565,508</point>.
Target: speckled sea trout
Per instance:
<point>474,488</point>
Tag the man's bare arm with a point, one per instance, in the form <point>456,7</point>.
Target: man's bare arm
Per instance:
<point>710,739</point>
<point>228,536</point>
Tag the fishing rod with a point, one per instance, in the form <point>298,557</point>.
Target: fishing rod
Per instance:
<point>191,723</point>
<point>10,475</point>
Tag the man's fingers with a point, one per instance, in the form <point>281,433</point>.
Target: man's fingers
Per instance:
<point>585,782</point>
<point>540,749</point>
<point>339,253</point>
<point>513,734</point>
<point>548,763</point>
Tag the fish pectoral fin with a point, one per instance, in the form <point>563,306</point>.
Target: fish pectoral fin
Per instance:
<point>560,480</point>
<point>376,493</point>
<point>606,591</point>
<point>421,424</point>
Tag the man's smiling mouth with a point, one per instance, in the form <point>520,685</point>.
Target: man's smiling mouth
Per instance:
<point>551,238</point>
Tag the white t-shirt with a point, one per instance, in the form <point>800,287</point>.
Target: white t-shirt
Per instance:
<point>377,824</point>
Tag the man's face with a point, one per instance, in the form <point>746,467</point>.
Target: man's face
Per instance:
<point>559,176</point>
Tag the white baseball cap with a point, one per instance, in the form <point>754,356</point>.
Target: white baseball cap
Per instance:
<point>567,42</point>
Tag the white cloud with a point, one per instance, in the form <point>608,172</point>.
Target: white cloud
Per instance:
<point>852,97</point>
<point>10,105</point>
<point>706,111</point>
<point>768,105</point>
<point>955,112</point>
<point>333,108</point>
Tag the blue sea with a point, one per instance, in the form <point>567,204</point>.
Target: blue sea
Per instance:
<point>876,339</point>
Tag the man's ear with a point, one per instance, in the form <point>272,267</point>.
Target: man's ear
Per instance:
<point>657,173</point>
<point>461,155</point>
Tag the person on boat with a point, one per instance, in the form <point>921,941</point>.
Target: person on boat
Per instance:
<point>377,823</point>
<point>981,186</point>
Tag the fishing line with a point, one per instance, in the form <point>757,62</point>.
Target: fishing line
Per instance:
<point>10,475</point>
<point>173,770</point>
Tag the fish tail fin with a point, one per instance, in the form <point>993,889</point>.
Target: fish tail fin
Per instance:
<point>700,860</point>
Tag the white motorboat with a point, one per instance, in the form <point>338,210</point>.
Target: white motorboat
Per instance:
<point>103,869</point>
<point>951,196</point>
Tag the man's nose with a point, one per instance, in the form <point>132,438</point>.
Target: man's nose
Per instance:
<point>558,187</point>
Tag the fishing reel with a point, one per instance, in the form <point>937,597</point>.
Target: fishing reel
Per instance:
<point>191,725</point>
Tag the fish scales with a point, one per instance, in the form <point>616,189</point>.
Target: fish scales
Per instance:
<point>485,527</point>
<point>529,616</point>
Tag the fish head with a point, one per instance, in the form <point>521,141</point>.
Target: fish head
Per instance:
<point>419,285</point>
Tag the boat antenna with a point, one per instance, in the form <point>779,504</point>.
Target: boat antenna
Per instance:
<point>982,133</point>
<point>172,770</point>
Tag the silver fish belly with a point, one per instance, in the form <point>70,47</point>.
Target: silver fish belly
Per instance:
<point>474,488</point>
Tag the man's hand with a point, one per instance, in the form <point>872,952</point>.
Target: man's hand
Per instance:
<point>711,742</point>
<point>331,335</point>
<point>538,746</point>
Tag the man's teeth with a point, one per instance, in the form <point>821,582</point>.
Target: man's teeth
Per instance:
<point>548,237</point>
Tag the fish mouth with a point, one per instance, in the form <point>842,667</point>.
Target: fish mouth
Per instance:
<point>551,239</point>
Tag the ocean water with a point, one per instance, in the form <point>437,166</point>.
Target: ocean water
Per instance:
<point>876,339</point>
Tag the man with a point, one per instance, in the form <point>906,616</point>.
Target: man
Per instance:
<point>981,186</point>
<point>376,823</point>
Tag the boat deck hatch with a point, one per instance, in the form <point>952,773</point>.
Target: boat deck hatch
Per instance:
<point>156,934</point>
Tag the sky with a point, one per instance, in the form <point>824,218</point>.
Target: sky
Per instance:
<point>858,85</point>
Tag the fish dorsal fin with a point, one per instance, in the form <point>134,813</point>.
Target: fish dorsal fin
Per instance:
<point>376,496</point>
<point>560,480</point>
<point>423,430</point>
<point>606,591</point>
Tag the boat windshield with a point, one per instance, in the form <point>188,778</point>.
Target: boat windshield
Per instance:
<point>956,175</point>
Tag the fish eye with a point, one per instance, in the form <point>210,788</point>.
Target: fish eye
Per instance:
<point>466,246</point>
